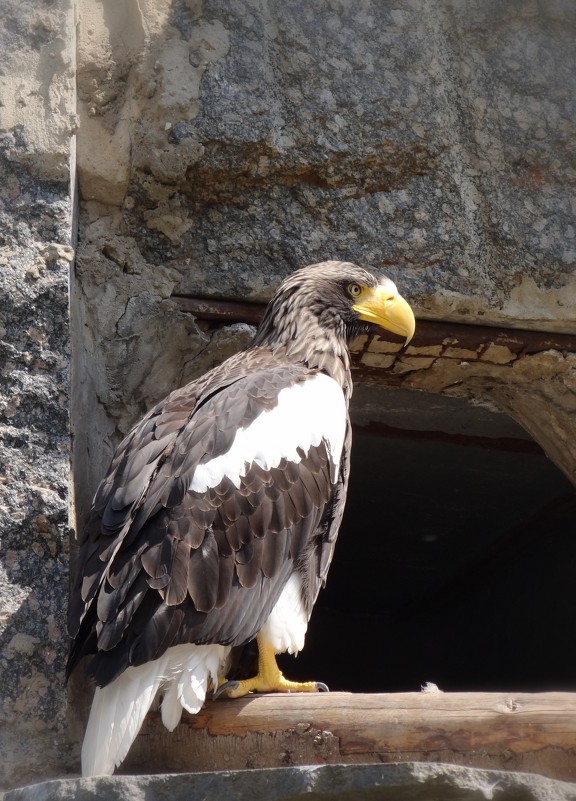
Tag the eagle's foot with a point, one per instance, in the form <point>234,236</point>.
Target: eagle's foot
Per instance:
<point>262,684</point>
<point>269,679</point>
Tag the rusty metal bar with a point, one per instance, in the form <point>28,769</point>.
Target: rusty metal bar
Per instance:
<point>428,332</point>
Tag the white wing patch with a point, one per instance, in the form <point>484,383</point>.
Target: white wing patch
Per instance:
<point>305,415</point>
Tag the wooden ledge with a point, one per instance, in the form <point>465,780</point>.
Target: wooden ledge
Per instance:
<point>509,731</point>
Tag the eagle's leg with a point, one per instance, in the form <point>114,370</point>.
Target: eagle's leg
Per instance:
<point>269,678</point>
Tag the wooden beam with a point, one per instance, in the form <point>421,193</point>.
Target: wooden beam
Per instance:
<point>510,731</point>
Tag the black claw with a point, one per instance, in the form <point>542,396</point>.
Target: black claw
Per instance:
<point>228,685</point>
<point>321,687</point>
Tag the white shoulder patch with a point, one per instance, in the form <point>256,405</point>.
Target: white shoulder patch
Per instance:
<point>305,414</point>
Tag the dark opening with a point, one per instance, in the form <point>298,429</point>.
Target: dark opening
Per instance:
<point>455,561</point>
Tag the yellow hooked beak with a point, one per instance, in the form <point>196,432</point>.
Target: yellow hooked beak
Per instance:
<point>383,306</point>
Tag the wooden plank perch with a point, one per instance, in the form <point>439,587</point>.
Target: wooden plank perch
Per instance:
<point>509,731</point>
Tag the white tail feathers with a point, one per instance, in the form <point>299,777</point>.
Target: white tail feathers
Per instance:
<point>118,710</point>
<point>186,689</point>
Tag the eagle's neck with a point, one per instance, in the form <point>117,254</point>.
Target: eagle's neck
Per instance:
<point>319,343</point>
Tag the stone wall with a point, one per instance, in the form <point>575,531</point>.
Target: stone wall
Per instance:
<point>433,140</point>
<point>220,145</point>
<point>408,782</point>
<point>37,122</point>
<point>224,144</point>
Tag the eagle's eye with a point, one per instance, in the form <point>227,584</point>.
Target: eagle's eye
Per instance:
<point>354,290</point>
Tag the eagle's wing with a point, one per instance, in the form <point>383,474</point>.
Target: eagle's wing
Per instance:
<point>211,502</point>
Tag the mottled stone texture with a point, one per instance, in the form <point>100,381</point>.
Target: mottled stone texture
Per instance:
<point>409,782</point>
<point>223,144</point>
<point>432,140</point>
<point>35,255</point>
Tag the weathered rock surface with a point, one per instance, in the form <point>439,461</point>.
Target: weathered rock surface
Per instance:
<point>36,119</point>
<point>245,139</point>
<point>224,144</point>
<point>407,782</point>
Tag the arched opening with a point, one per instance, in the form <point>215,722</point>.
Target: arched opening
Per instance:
<point>455,560</point>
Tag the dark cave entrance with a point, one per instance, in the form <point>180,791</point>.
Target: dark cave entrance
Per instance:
<point>455,561</point>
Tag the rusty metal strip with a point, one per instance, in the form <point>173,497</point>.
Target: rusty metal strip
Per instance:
<point>453,337</point>
<point>225,311</point>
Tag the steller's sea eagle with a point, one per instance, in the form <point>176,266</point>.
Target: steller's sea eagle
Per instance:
<point>216,522</point>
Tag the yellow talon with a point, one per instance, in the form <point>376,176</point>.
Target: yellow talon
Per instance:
<point>211,689</point>
<point>269,678</point>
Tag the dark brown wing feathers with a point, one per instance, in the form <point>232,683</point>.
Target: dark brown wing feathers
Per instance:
<point>162,564</point>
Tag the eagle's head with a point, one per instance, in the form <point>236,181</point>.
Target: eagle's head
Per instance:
<point>338,298</point>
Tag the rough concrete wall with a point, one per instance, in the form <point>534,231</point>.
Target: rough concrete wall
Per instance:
<point>431,139</point>
<point>37,121</point>
<point>224,144</point>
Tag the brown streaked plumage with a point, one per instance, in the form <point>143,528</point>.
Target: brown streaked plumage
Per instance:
<point>217,519</point>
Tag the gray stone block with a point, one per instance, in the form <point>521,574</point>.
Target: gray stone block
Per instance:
<point>411,781</point>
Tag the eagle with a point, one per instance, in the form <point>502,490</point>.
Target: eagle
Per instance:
<point>215,526</point>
